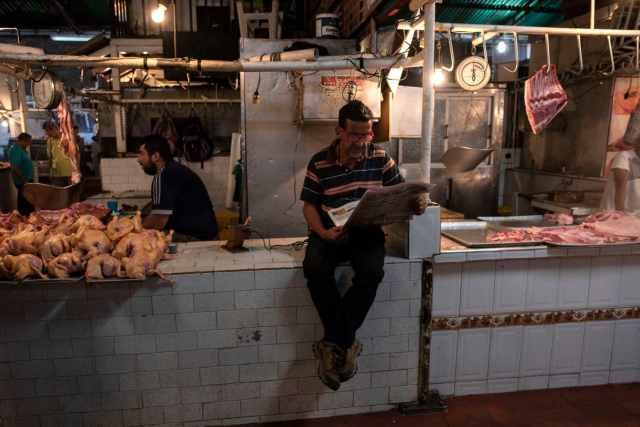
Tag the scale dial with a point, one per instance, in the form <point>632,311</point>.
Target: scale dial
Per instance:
<point>47,91</point>
<point>473,73</point>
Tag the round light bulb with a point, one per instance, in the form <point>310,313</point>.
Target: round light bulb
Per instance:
<point>439,77</point>
<point>501,47</point>
<point>158,14</point>
<point>4,123</point>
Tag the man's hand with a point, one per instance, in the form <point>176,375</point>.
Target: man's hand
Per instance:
<point>332,234</point>
<point>419,204</point>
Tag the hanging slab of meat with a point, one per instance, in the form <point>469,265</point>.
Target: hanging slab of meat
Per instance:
<point>544,98</point>
<point>68,138</point>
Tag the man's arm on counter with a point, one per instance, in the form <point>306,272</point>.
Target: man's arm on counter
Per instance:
<point>314,222</point>
<point>155,221</point>
<point>620,179</point>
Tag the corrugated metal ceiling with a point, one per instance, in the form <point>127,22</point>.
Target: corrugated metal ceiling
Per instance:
<point>501,12</point>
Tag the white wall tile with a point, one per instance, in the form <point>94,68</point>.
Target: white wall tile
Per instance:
<point>624,376</point>
<point>511,286</point>
<point>626,345</point>
<point>478,280</point>
<point>536,350</point>
<point>505,385</point>
<point>473,355</point>
<point>598,344</point>
<point>542,284</point>
<point>471,387</point>
<point>630,281</point>
<point>566,354</point>
<point>506,348</point>
<point>533,383</point>
<point>444,346</point>
<point>594,378</point>
<point>447,280</point>
<point>605,281</point>
<point>573,291</point>
<point>562,381</point>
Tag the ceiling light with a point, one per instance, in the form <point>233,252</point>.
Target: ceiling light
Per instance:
<point>158,14</point>
<point>123,53</point>
<point>4,123</point>
<point>439,77</point>
<point>501,47</point>
<point>71,37</point>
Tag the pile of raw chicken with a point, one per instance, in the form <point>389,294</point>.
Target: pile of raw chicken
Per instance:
<point>71,242</point>
<point>602,228</point>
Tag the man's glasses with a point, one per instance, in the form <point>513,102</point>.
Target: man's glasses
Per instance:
<point>354,137</point>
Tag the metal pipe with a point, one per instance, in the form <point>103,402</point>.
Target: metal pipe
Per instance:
<point>162,101</point>
<point>351,63</point>
<point>581,60</point>
<point>428,92</point>
<point>175,31</point>
<point>541,31</point>
<point>592,23</point>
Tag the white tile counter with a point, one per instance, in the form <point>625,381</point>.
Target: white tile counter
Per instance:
<point>228,342</point>
<point>534,318</point>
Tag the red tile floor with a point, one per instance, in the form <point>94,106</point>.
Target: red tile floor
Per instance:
<point>611,405</point>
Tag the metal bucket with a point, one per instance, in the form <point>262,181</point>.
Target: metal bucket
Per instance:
<point>328,26</point>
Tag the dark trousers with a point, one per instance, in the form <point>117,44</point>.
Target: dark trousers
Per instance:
<point>343,316</point>
<point>24,207</point>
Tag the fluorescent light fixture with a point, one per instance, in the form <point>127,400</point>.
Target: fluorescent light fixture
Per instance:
<point>159,13</point>
<point>439,77</point>
<point>501,47</point>
<point>71,37</point>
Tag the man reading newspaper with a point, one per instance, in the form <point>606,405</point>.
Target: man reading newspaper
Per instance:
<point>339,175</point>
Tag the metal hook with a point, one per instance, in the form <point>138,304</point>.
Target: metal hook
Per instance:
<point>580,59</point>
<point>484,47</point>
<point>638,53</point>
<point>517,54</point>
<point>547,43</point>
<point>613,62</point>
<point>451,54</point>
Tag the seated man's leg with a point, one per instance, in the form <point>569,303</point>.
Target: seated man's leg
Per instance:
<point>367,259</point>
<point>319,267</point>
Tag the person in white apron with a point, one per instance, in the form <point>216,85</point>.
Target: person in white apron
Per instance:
<point>622,191</point>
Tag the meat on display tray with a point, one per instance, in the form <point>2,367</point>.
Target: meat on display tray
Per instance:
<point>113,281</point>
<point>477,239</point>
<point>56,281</point>
<point>592,245</point>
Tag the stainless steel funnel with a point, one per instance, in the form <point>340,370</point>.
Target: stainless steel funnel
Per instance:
<point>464,159</point>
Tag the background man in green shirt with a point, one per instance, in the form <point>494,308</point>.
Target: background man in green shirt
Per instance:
<point>21,170</point>
<point>59,163</point>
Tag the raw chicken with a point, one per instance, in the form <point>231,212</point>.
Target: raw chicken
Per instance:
<point>65,265</point>
<point>141,252</point>
<point>121,226</point>
<point>103,267</point>
<point>26,241</point>
<point>91,242</point>
<point>88,221</point>
<point>55,245</point>
<point>22,266</point>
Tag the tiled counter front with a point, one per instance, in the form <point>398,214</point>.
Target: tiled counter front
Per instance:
<point>216,348</point>
<point>535,319</point>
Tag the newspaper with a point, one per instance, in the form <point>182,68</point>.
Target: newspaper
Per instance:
<point>386,205</point>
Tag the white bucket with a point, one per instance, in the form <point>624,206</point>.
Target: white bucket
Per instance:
<point>327,26</point>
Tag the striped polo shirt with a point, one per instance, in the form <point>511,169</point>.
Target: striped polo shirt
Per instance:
<point>328,184</point>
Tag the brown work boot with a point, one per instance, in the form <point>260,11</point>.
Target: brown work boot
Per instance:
<point>348,361</point>
<point>326,353</point>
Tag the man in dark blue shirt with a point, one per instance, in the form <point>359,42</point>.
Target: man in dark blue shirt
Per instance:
<point>180,201</point>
